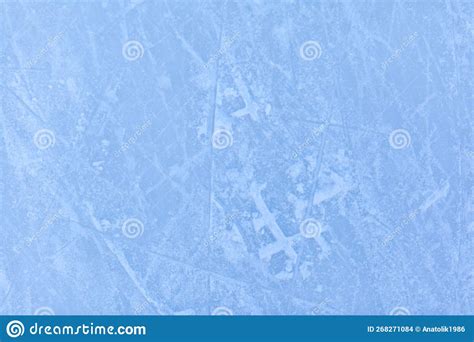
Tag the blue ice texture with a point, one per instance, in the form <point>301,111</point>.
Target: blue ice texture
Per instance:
<point>236,157</point>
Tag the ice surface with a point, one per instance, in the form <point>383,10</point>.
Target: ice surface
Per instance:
<point>236,157</point>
